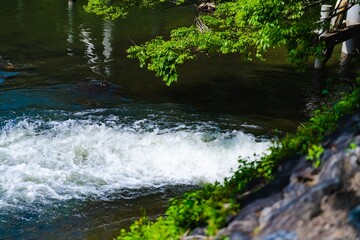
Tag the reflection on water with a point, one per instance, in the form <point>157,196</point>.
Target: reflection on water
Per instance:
<point>20,13</point>
<point>66,46</point>
<point>90,48</point>
<point>107,33</point>
<point>99,67</point>
<point>108,25</point>
<point>88,138</point>
<point>70,38</point>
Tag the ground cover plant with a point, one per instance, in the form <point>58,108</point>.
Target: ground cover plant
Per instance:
<point>249,28</point>
<point>214,203</point>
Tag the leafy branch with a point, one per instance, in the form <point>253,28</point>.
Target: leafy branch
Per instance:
<point>246,27</point>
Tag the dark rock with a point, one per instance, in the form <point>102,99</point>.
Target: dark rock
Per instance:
<point>306,176</point>
<point>303,208</point>
<point>354,217</point>
<point>247,219</point>
<point>281,235</point>
<point>343,140</point>
<point>6,75</point>
<point>198,231</point>
<point>97,86</point>
<point>257,206</point>
<point>327,154</point>
<point>303,202</point>
<point>332,168</point>
<point>353,187</point>
<point>99,83</point>
<point>279,183</point>
<point>352,164</point>
<point>294,190</point>
<point>238,236</point>
<point>245,227</point>
<point>357,140</point>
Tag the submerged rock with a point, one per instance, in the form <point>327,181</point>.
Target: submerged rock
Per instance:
<point>100,84</point>
<point>97,88</point>
<point>6,75</point>
<point>7,66</point>
<point>97,85</point>
<point>9,70</point>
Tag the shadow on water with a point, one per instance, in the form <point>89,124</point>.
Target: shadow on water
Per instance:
<point>69,97</point>
<point>71,49</point>
<point>85,219</point>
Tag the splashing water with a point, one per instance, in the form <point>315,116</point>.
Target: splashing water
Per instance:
<point>91,155</point>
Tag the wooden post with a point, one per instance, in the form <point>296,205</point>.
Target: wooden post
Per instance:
<point>339,12</point>
<point>352,46</point>
<point>325,13</point>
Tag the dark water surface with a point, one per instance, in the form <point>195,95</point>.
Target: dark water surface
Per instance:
<point>89,141</point>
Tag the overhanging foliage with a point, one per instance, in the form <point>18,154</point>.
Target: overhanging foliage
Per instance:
<point>246,27</point>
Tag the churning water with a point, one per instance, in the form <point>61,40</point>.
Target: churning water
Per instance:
<point>83,155</point>
<point>53,163</point>
<point>89,141</point>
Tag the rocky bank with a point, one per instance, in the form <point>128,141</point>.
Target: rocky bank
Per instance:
<point>304,202</point>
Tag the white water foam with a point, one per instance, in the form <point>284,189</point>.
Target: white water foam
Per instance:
<point>79,158</point>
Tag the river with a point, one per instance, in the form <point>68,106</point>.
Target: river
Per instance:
<point>89,141</point>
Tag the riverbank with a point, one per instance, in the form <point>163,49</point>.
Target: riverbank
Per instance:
<point>314,203</point>
<point>312,196</point>
<point>270,190</point>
